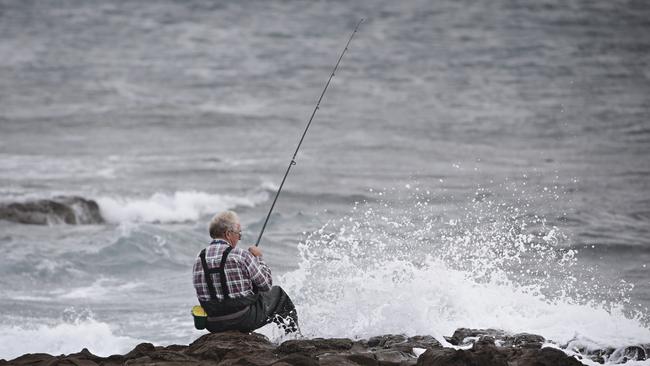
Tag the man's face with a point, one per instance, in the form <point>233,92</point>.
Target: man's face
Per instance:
<point>233,236</point>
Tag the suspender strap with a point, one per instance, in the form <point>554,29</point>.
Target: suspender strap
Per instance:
<point>222,273</point>
<point>208,272</point>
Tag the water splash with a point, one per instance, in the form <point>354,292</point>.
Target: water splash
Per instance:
<point>423,270</point>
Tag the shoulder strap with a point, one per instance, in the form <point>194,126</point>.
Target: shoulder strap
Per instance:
<point>222,273</point>
<point>207,272</point>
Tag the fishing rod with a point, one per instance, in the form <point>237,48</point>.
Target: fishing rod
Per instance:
<point>293,158</point>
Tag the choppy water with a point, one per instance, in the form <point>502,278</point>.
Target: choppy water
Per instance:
<point>474,164</point>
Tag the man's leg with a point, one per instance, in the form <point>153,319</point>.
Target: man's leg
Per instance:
<point>273,306</point>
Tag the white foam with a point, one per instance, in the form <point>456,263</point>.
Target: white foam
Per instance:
<point>63,338</point>
<point>177,207</point>
<point>347,285</point>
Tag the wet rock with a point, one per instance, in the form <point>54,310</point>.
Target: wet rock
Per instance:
<point>364,359</point>
<point>525,340</point>
<point>610,355</point>
<point>545,357</point>
<point>335,360</point>
<point>631,353</point>
<point>386,340</point>
<point>489,348</point>
<point>142,349</point>
<point>315,346</point>
<point>297,359</point>
<point>71,210</point>
<point>402,343</point>
<point>465,336</point>
<point>391,357</point>
<point>487,354</point>
<point>232,345</point>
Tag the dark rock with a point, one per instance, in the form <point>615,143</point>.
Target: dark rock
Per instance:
<point>235,348</point>
<point>391,357</point>
<point>297,359</point>
<point>142,349</point>
<point>486,354</point>
<point>545,357</point>
<point>232,345</point>
<point>386,340</point>
<point>461,335</point>
<point>331,359</point>
<point>32,359</point>
<point>401,343</point>
<point>448,357</point>
<point>527,340</point>
<point>315,346</point>
<point>631,353</point>
<point>364,359</point>
<point>423,342</point>
<point>45,359</point>
<point>71,210</point>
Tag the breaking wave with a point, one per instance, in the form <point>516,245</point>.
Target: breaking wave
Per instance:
<point>366,274</point>
<point>180,206</point>
<point>64,337</point>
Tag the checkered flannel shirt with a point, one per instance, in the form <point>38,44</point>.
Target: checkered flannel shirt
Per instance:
<point>242,271</point>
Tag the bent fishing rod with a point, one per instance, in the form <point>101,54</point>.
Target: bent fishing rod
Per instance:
<point>293,158</point>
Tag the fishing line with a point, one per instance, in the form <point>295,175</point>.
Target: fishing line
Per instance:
<point>293,158</point>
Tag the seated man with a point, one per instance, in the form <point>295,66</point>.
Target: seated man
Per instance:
<point>233,285</point>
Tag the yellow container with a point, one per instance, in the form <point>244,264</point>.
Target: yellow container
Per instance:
<point>200,317</point>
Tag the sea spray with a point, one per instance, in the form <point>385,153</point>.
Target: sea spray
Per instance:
<point>74,330</point>
<point>424,271</point>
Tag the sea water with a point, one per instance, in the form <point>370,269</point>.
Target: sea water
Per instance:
<point>472,165</point>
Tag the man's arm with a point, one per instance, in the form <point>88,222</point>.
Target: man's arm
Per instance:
<point>259,272</point>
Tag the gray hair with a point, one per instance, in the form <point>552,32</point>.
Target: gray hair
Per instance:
<point>223,222</point>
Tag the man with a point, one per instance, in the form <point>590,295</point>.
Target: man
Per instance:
<point>234,286</point>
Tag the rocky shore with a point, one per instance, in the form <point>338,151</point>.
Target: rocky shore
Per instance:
<point>484,347</point>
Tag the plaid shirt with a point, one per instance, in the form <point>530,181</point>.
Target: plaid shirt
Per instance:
<point>242,271</point>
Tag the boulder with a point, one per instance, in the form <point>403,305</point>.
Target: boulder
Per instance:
<point>71,210</point>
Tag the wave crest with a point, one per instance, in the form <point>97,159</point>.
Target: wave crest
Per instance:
<point>180,206</point>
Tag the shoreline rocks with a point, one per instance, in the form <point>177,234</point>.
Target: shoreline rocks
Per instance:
<point>484,347</point>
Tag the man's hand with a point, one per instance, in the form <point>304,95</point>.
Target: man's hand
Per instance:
<point>255,251</point>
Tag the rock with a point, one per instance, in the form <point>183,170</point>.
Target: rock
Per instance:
<point>231,345</point>
<point>631,353</point>
<point>335,360</point>
<point>297,359</point>
<point>527,340</point>
<point>463,336</point>
<point>490,348</point>
<point>315,346</point>
<point>487,354</point>
<point>364,359</point>
<point>71,210</point>
<point>546,357</point>
<point>142,349</point>
<point>402,343</point>
<point>391,357</point>
<point>447,357</point>
<point>386,340</point>
<point>610,355</point>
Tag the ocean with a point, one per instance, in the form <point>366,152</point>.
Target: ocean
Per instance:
<point>473,164</point>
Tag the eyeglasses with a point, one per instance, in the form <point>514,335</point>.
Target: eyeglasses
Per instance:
<point>236,232</point>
